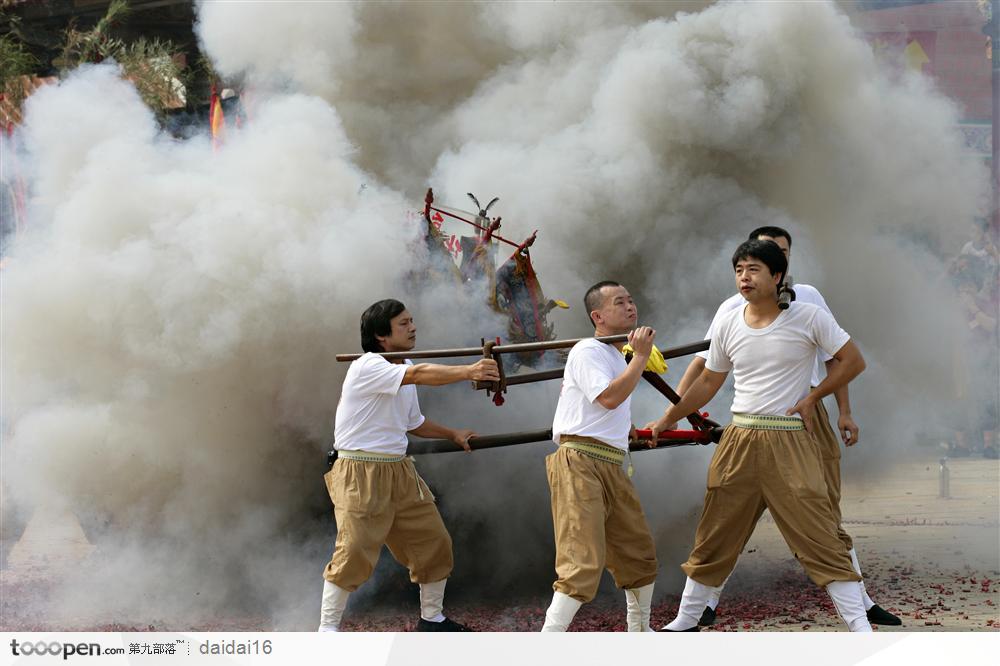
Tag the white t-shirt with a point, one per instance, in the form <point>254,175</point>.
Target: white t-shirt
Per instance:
<point>375,410</point>
<point>773,366</point>
<point>590,368</point>
<point>804,293</point>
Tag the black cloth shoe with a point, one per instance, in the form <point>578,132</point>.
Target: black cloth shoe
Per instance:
<point>707,617</point>
<point>878,615</point>
<point>444,625</point>
<point>671,631</point>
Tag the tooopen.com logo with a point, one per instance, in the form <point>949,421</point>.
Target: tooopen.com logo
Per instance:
<point>54,649</point>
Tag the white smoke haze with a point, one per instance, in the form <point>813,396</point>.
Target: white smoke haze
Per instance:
<point>172,314</point>
<point>171,323</point>
<point>301,49</point>
<point>707,126</point>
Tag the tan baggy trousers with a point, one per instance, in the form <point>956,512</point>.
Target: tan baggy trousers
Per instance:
<point>598,523</point>
<point>829,445</point>
<point>379,503</point>
<point>829,450</point>
<point>782,471</point>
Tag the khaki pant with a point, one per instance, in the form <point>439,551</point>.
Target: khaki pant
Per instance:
<point>778,470</point>
<point>598,523</point>
<point>379,503</point>
<point>829,446</point>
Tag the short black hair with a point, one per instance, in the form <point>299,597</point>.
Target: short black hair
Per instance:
<point>377,320</point>
<point>771,232</point>
<point>766,251</point>
<point>592,299</point>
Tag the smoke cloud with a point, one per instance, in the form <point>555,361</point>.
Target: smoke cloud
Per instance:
<point>171,316</point>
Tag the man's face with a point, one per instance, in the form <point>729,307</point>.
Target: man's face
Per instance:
<point>402,333</point>
<point>781,242</point>
<point>617,313</point>
<point>755,281</point>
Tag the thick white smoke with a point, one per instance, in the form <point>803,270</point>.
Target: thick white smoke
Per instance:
<point>171,317</point>
<point>691,132</point>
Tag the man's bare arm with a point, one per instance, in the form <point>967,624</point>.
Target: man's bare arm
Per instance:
<point>849,365</point>
<point>846,427</point>
<point>694,370</point>
<point>431,430</point>
<point>702,390</point>
<point>692,373</point>
<point>432,374</point>
<point>621,387</point>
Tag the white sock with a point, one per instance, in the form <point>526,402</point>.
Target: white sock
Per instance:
<point>332,607</point>
<point>432,601</point>
<point>561,612</point>
<point>638,602</point>
<point>713,601</point>
<point>846,596</point>
<point>857,567</point>
<point>693,602</point>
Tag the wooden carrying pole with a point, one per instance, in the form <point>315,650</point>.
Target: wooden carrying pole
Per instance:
<point>667,439</point>
<point>478,351</point>
<point>544,375</point>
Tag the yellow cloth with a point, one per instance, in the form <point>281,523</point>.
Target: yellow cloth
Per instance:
<point>656,362</point>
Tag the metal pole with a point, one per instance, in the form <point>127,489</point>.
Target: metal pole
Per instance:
<point>672,352</point>
<point>944,480</point>
<point>430,353</point>
<point>652,377</point>
<point>529,377</point>
<point>554,344</point>
<point>418,447</point>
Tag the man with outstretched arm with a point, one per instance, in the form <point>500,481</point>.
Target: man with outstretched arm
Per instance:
<point>596,513</point>
<point>823,433</point>
<point>378,496</point>
<point>767,457</point>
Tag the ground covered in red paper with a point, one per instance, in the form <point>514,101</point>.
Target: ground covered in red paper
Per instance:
<point>785,600</point>
<point>933,561</point>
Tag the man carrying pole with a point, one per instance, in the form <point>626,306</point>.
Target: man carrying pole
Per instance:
<point>768,457</point>
<point>378,496</point>
<point>596,513</point>
<point>823,433</point>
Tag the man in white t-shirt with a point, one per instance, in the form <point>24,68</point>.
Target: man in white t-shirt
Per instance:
<point>824,433</point>
<point>767,457</point>
<point>378,496</point>
<point>596,514</point>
